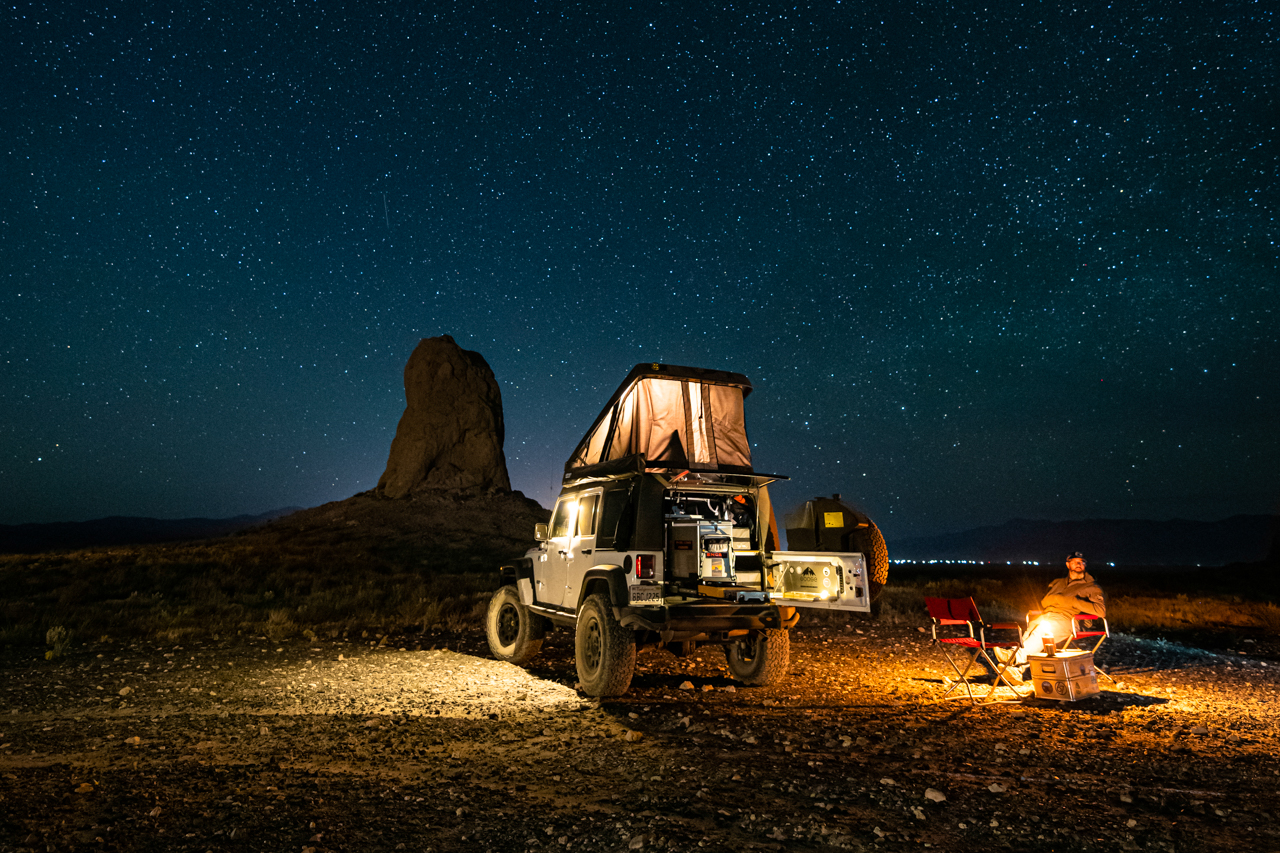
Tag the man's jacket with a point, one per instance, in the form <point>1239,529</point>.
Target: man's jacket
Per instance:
<point>1072,597</point>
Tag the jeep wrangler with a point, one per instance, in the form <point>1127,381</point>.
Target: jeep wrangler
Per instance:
<point>663,535</point>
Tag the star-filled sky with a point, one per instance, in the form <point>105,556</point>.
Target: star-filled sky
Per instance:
<point>981,261</point>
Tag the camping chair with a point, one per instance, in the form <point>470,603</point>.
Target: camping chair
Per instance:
<point>1087,634</point>
<point>972,648</point>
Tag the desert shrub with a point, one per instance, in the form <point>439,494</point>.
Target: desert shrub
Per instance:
<point>280,625</point>
<point>58,639</point>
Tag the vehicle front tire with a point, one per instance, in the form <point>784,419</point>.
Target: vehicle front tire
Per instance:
<point>761,659</point>
<point>514,634</point>
<point>604,651</point>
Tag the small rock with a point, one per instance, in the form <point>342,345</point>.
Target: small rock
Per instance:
<point>933,795</point>
<point>994,822</point>
<point>125,691</point>
<point>1199,730</point>
<point>1126,797</point>
<point>729,689</point>
<point>1001,747</point>
<point>156,813</point>
<point>85,788</point>
<point>996,788</point>
<point>686,685</point>
<point>133,741</point>
<point>918,812</point>
<point>1131,823</point>
<point>707,688</point>
<point>632,736</point>
<point>887,781</point>
<point>262,730</point>
<point>636,843</point>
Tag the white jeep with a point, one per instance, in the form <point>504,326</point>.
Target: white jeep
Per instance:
<point>663,535</point>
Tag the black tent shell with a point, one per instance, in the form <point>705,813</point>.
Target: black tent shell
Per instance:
<point>668,416</point>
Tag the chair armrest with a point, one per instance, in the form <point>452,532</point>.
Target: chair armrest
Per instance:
<point>1010,625</point>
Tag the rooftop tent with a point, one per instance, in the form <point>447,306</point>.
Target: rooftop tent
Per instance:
<point>670,417</point>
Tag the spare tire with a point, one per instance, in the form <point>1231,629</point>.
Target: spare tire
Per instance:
<point>870,541</point>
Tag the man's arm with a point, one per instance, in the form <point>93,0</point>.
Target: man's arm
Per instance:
<point>1091,601</point>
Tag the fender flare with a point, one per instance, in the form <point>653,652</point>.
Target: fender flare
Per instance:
<point>519,573</point>
<point>516,569</point>
<point>615,577</point>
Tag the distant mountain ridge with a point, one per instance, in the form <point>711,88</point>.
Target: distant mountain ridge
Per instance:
<point>123,530</point>
<point>1238,539</point>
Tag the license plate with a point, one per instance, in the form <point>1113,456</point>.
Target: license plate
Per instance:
<point>645,594</point>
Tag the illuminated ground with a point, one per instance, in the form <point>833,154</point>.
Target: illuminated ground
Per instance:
<point>331,746</point>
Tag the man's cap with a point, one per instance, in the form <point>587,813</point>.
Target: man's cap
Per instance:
<point>1075,555</point>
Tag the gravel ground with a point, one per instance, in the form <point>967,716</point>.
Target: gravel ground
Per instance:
<point>323,746</point>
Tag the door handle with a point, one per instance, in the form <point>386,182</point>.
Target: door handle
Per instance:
<point>586,550</point>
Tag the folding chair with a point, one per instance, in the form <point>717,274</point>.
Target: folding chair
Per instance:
<point>1088,634</point>
<point>974,647</point>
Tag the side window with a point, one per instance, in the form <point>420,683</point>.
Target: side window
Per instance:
<point>587,515</point>
<point>615,502</point>
<point>562,520</point>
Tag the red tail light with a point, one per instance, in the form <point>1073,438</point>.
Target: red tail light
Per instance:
<point>644,565</point>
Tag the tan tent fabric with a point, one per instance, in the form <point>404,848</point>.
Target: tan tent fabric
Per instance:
<point>674,422</point>
<point>729,426</point>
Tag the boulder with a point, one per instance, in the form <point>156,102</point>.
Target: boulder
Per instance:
<point>450,436</point>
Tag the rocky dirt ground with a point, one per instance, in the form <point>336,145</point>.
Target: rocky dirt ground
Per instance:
<point>424,743</point>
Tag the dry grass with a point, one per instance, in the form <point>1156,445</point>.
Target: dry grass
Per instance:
<point>284,581</point>
<point>277,586</point>
<point>1132,604</point>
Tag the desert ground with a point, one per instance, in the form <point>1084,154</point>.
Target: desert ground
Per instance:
<point>420,741</point>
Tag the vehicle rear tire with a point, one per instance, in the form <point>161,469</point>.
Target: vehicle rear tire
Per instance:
<point>762,659</point>
<point>870,541</point>
<point>515,635</point>
<point>604,651</point>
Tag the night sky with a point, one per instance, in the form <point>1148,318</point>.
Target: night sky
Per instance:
<point>981,261</point>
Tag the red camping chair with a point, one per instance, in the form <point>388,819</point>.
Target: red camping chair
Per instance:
<point>1088,634</point>
<point>974,647</point>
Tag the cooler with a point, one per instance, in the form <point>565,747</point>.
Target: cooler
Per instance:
<point>1067,676</point>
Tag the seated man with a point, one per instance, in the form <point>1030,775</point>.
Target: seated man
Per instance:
<point>1077,593</point>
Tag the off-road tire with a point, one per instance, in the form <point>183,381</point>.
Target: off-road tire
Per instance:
<point>514,634</point>
<point>870,541</point>
<point>604,651</point>
<point>761,660</point>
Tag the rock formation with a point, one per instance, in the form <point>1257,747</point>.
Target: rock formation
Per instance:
<point>450,436</point>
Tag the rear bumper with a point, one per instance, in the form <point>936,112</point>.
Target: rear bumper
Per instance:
<point>708,617</point>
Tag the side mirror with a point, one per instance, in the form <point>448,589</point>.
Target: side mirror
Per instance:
<point>540,532</point>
